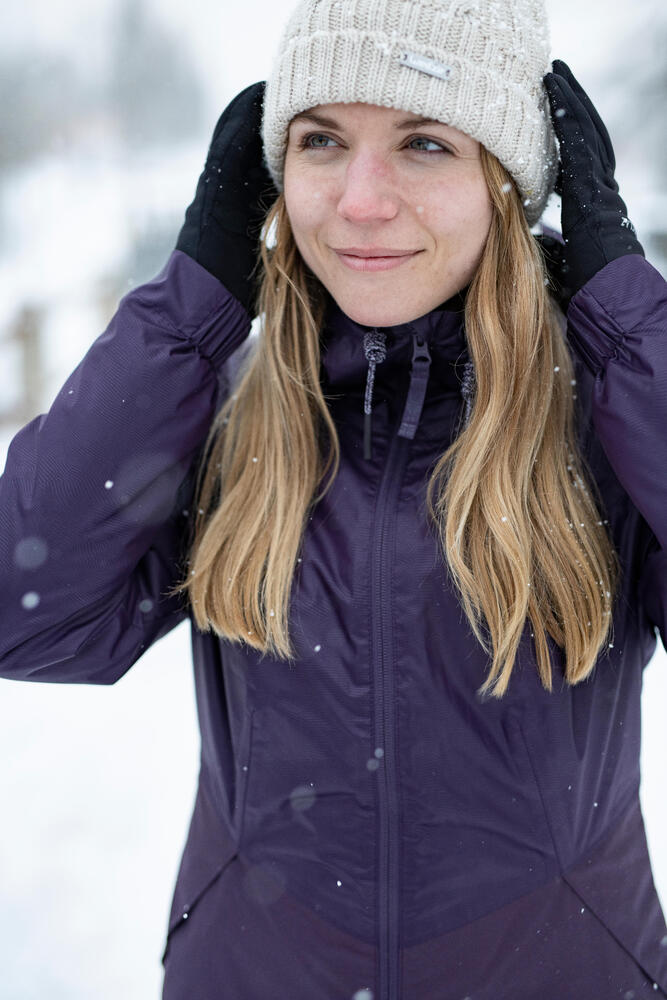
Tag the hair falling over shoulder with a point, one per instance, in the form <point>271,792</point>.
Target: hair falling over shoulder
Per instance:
<point>510,499</point>
<point>263,464</point>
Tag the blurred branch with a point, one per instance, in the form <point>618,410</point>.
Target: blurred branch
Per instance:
<point>154,91</point>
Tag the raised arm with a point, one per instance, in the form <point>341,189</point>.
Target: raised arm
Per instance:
<point>617,320</point>
<point>94,495</point>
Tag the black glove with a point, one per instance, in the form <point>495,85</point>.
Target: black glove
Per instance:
<point>235,191</point>
<point>594,218</point>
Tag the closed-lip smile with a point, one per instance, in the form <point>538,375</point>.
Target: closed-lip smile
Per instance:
<point>374,259</point>
<point>375,252</point>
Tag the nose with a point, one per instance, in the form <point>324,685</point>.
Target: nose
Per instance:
<point>369,194</point>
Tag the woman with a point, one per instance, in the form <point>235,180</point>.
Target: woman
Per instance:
<point>425,567</point>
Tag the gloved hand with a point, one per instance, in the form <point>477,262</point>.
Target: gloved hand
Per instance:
<point>223,224</point>
<point>595,222</point>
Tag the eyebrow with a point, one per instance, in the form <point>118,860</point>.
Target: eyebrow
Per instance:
<point>325,122</point>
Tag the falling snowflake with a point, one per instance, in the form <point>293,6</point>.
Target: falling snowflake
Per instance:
<point>30,552</point>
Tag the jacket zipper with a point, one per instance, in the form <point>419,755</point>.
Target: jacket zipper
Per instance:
<point>385,734</point>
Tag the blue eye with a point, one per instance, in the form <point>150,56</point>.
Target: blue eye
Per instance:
<point>306,144</point>
<point>438,147</point>
<point>317,140</point>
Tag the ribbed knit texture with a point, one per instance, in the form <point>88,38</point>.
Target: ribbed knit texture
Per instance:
<point>492,53</point>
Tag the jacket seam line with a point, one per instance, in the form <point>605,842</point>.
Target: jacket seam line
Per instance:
<point>561,876</point>
<point>391,558</point>
<point>603,923</point>
<point>242,813</point>
<point>188,907</point>
<point>592,845</point>
<point>400,824</point>
<point>545,812</point>
<point>609,829</point>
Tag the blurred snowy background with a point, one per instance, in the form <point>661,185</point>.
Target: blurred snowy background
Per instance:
<point>106,112</point>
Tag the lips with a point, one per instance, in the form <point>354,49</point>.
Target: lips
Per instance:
<point>375,252</point>
<point>374,258</point>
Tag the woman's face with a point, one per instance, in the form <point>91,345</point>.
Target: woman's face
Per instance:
<point>365,181</point>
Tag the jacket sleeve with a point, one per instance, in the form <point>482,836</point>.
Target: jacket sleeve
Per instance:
<point>617,323</point>
<point>94,495</point>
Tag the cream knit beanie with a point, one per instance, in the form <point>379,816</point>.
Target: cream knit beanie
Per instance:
<point>474,64</point>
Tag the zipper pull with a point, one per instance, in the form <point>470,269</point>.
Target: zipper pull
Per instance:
<point>421,363</point>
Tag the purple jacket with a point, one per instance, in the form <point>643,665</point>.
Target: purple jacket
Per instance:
<point>365,827</point>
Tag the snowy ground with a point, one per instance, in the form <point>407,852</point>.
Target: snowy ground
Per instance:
<point>97,789</point>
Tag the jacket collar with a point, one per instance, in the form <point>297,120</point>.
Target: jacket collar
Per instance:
<point>345,365</point>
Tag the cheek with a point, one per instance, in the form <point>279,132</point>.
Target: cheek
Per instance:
<point>305,201</point>
<point>305,195</point>
<point>293,201</point>
<point>460,213</point>
<point>303,205</point>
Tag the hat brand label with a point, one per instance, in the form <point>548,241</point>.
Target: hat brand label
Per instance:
<point>425,65</point>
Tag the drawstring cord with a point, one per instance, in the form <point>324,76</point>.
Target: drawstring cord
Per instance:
<point>375,349</point>
<point>468,387</point>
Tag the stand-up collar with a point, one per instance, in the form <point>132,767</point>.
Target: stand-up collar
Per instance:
<point>345,363</point>
<point>430,351</point>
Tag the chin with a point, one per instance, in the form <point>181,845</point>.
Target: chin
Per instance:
<point>381,315</point>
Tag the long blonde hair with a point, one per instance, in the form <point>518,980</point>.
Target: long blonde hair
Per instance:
<point>510,499</point>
